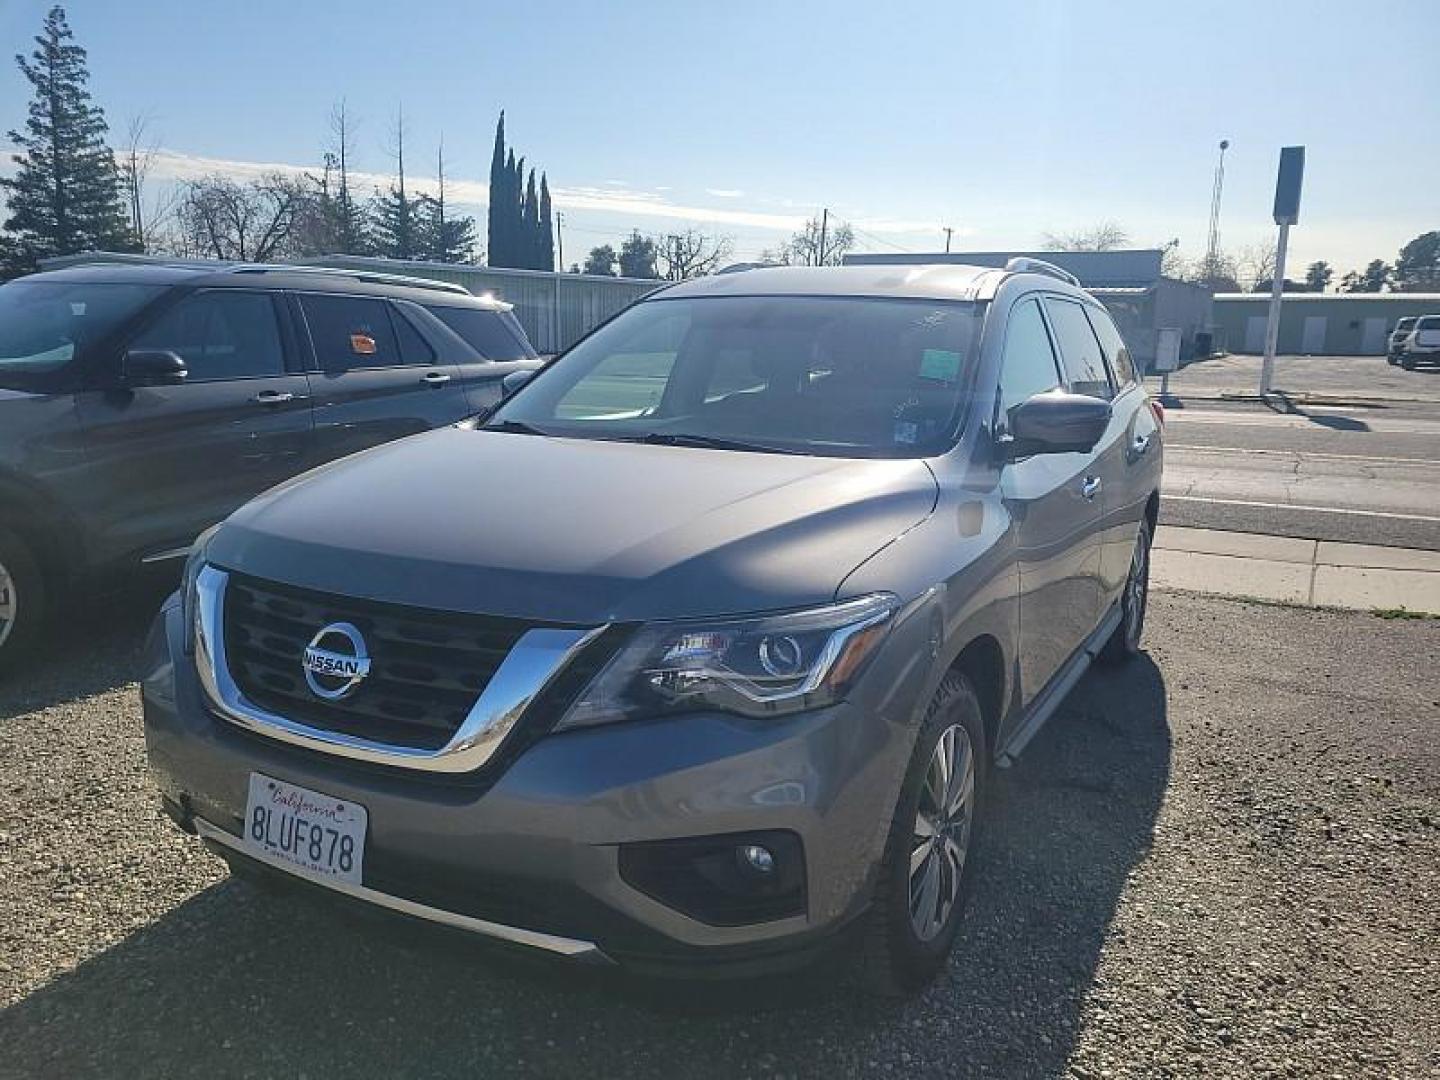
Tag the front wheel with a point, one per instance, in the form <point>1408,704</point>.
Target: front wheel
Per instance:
<point>1407,362</point>
<point>924,881</point>
<point>23,603</point>
<point>1124,643</point>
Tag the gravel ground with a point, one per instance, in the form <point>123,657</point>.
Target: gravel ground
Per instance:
<point>1221,861</point>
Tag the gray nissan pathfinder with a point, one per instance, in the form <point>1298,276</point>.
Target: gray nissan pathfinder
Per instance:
<point>696,654</point>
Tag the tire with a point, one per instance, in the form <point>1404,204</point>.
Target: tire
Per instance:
<point>1407,362</point>
<point>1124,643</point>
<point>908,943</point>
<point>24,603</point>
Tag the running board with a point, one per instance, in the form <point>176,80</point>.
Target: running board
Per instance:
<point>1050,698</point>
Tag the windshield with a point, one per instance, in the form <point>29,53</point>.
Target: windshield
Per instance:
<point>44,324</point>
<point>842,376</point>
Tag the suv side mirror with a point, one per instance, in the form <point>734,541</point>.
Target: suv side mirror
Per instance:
<point>1057,422</point>
<point>514,381</point>
<point>153,367</point>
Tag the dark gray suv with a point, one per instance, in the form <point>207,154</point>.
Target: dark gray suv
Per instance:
<point>140,405</point>
<point>696,654</point>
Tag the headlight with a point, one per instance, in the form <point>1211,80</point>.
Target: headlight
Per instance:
<point>761,666</point>
<point>193,564</point>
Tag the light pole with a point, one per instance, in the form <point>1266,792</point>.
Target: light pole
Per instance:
<point>1212,243</point>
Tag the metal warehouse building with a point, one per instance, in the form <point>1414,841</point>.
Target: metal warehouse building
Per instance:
<point>555,309</point>
<point>1139,297</point>
<point>1319,324</point>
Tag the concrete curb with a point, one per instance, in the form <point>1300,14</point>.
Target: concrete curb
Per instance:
<point>1311,573</point>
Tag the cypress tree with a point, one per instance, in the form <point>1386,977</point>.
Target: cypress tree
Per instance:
<point>495,217</point>
<point>530,225</point>
<point>65,194</point>
<point>547,227</point>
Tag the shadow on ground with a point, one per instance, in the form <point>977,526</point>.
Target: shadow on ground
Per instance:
<point>234,982</point>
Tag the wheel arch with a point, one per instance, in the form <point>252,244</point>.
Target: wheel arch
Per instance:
<point>982,662</point>
<point>50,533</point>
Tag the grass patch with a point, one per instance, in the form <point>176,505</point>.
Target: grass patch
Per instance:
<point>1402,613</point>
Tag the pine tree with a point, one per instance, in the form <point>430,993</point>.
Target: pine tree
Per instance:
<point>443,237</point>
<point>547,227</point>
<point>64,196</point>
<point>347,214</point>
<point>395,216</point>
<point>495,216</point>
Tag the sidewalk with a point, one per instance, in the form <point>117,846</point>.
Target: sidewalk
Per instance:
<point>1313,573</point>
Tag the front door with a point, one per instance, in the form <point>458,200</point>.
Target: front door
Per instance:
<point>1055,513</point>
<point>1312,335</point>
<point>169,461</point>
<point>378,378</point>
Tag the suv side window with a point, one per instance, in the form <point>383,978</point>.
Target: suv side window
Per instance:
<point>220,334</point>
<point>487,332</point>
<point>1116,353</point>
<point>414,349</point>
<point>1027,366</point>
<point>351,332</point>
<point>1079,349</point>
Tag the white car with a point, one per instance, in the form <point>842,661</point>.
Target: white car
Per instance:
<point>1398,336</point>
<point>1422,344</point>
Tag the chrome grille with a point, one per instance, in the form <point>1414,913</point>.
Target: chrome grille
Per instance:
<point>427,667</point>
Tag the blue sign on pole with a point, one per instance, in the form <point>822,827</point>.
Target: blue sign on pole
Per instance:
<point>1287,185</point>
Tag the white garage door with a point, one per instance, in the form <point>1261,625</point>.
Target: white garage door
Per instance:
<point>1312,335</point>
<point>1372,338</point>
<point>1255,334</point>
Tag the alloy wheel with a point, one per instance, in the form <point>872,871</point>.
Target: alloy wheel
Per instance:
<point>9,603</point>
<point>1137,590</point>
<point>941,837</point>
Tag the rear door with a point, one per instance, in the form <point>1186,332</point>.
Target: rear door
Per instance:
<point>376,377</point>
<point>169,461</point>
<point>1056,521</point>
<point>487,344</point>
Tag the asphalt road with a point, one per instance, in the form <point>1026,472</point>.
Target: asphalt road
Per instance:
<point>1220,860</point>
<point>1360,472</point>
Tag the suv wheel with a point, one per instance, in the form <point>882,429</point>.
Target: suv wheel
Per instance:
<point>22,600</point>
<point>1124,643</point>
<point>1407,361</point>
<point>924,880</point>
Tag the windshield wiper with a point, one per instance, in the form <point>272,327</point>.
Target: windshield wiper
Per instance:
<point>515,427</point>
<point>713,442</point>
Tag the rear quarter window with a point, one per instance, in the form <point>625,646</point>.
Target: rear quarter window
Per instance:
<point>495,335</point>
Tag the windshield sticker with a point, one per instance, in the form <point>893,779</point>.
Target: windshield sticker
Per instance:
<point>940,364</point>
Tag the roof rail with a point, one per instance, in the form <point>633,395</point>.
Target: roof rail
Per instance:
<point>356,275</point>
<point>1022,264</point>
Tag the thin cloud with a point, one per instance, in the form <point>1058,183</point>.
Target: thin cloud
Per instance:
<point>724,193</point>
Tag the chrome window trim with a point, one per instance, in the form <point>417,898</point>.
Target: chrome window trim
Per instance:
<point>530,666</point>
<point>574,948</point>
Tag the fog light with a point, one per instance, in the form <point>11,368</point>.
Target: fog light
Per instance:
<point>757,858</point>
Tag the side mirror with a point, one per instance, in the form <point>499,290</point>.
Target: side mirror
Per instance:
<point>514,381</point>
<point>1057,422</point>
<point>153,367</point>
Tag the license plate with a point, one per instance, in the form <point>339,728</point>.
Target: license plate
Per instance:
<point>318,834</point>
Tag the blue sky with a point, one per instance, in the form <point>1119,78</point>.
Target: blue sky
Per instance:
<point>1003,120</point>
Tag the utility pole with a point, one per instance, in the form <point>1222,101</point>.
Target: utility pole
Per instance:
<point>948,231</point>
<point>560,240</point>
<point>824,223</point>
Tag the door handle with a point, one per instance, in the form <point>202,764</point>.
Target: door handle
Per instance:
<point>273,397</point>
<point>435,378</point>
<point>1090,487</point>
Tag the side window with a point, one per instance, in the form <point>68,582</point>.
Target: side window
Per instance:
<point>1079,350</point>
<point>1113,345</point>
<point>220,334</point>
<point>490,333</point>
<point>1028,366</point>
<point>351,332</point>
<point>414,349</point>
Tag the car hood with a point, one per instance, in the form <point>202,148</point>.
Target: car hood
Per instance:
<point>576,531</point>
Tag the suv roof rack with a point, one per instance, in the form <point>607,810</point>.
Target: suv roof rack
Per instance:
<point>356,275</point>
<point>1022,264</point>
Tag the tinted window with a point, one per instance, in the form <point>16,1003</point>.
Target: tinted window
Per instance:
<point>1079,350</point>
<point>1114,346</point>
<point>1429,322</point>
<point>351,332</point>
<point>220,335</point>
<point>493,334</point>
<point>1028,365</point>
<point>843,376</point>
<point>44,323</point>
<point>414,349</point>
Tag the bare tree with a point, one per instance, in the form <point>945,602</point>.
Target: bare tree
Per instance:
<point>691,253</point>
<point>235,222</point>
<point>1106,236</point>
<point>1255,265</point>
<point>134,160</point>
<point>808,248</point>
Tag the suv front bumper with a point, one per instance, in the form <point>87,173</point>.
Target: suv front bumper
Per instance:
<point>531,854</point>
